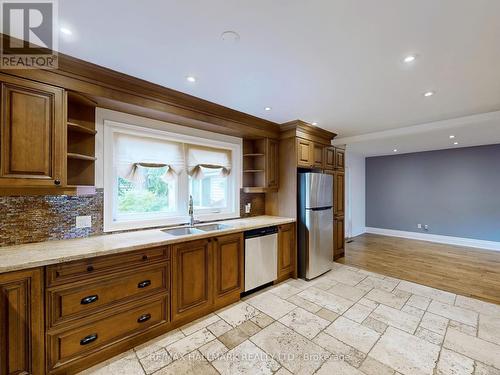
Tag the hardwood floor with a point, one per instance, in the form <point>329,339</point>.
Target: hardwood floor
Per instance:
<point>462,270</point>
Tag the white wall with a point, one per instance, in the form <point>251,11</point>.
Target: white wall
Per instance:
<point>355,194</point>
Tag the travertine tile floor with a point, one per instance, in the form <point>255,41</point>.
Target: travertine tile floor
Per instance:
<point>348,321</point>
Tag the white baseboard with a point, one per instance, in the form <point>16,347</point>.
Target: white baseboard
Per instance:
<point>459,241</point>
<point>358,232</point>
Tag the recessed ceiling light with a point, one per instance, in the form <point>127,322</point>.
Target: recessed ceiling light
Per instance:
<point>409,59</point>
<point>452,136</point>
<point>230,37</point>
<point>314,123</point>
<point>191,79</point>
<point>429,93</point>
<point>455,143</point>
<point>267,108</point>
<point>395,150</point>
<point>66,31</point>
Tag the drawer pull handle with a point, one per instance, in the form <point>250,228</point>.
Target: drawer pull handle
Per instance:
<point>87,340</point>
<point>144,318</point>
<point>90,299</point>
<point>144,284</point>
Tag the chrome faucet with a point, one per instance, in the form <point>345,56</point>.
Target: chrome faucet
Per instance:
<point>192,221</point>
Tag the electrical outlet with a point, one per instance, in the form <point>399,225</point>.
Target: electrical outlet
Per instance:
<point>419,226</point>
<point>84,221</point>
<point>248,208</point>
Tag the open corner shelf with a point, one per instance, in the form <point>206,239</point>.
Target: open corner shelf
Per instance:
<point>72,126</point>
<point>260,165</point>
<point>81,140</point>
<point>72,155</point>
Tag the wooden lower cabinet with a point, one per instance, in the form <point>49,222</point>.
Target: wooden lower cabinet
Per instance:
<point>90,310</point>
<point>229,268</point>
<point>338,237</point>
<point>75,347</point>
<point>21,323</point>
<point>100,307</point>
<point>192,279</point>
<point>206,274</point>
<point>339,193</point>
<point>287,252</point>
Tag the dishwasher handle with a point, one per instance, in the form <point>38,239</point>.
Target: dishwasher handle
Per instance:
<point>261,232</point>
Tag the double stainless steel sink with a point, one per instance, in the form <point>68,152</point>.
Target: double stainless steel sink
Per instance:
<point>197,229</point>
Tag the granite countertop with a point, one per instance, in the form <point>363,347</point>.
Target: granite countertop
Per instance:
<point>18,257</point>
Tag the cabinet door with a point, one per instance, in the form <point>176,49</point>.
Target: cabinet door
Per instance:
<point>286,251</point>
<point>192,279</point>
<point>329,158</point>
<point>318,160</point>
<point>338,193</point>
<point>228,256</point>
<point>339,159</point>
<point>338,238</point>
<point>21,323</point>
<point>304,153</point>
<point>272,168</point>
<point>32,134</point>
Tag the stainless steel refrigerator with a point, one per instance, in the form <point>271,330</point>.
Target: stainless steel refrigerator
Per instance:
<point>315,235</point>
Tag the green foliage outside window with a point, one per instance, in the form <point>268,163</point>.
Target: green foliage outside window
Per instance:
<point>151,196</point>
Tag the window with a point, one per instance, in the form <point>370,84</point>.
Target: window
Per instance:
<point>152,194</point>
<point>209,192</point>
<point>150,174</point>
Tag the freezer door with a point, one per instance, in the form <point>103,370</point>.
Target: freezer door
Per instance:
<point>320,240</point>
<point>318,190</point>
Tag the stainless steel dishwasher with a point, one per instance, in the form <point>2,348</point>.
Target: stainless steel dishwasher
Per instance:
<point>261,257</point>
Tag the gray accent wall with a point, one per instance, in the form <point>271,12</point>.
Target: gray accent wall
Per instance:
<point>456,192</point>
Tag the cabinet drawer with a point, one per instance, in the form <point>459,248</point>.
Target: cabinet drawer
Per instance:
<point>75,344</point>
<point>78,270</point>
<point>68,302</point>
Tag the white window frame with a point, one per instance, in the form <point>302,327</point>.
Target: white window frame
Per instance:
<point>197,137</point>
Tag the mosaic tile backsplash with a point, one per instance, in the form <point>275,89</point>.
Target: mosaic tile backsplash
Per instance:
<point>43,218</point>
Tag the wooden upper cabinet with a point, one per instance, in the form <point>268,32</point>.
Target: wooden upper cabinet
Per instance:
<point>338,193</point>
<point>192,278</point>
<point>32,134</point>
<point>229,272</point>
<point>21,323</point>
<point>339,159</point>
<point>305,153</point>
<point>286,251</point>
<point>318,155</point>
<point>329,158</point>
<point>272,164</point>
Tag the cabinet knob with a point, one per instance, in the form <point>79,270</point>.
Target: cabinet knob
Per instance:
<point>90,299</point>
<point>57,182</point>
<point>144,284</point>
<point>144,257</point>
<point>88,339</point>
<point>143,318</point>
<point>90,268</point>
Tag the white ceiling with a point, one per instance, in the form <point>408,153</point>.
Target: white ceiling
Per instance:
<point>468,131</point>
<point>337,62</point>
